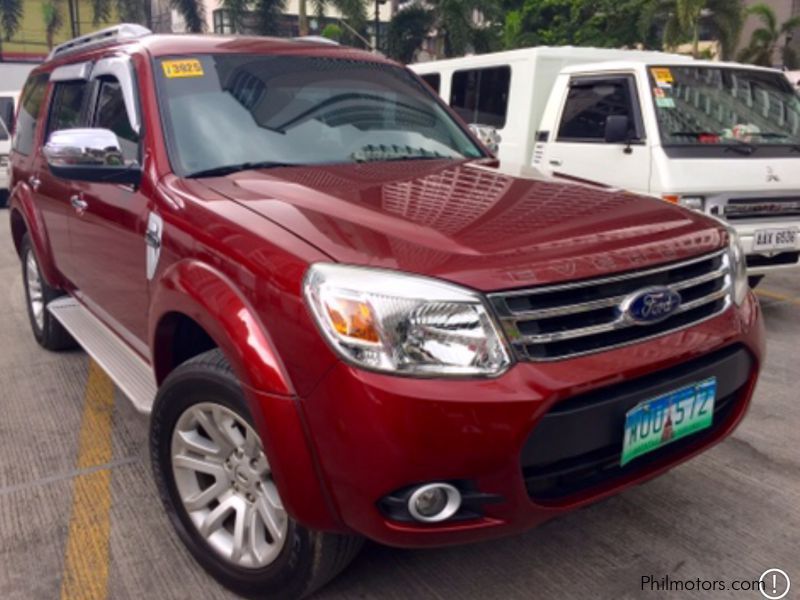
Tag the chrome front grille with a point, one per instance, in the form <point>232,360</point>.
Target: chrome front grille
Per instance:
<point>556,322</point>
<point>762,208</point>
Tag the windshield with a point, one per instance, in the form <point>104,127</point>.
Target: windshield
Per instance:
<point>232,112</point>
<point>725,106</point>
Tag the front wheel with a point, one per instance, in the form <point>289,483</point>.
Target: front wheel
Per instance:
<point>217,487</point>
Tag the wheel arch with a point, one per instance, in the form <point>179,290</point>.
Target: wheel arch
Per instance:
<point>26,218</point>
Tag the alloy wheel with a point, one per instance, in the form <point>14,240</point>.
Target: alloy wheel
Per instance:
<point>225,483</point>
<point>35,290</point>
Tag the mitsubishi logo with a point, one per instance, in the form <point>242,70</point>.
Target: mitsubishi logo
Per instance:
<point>772,177</point>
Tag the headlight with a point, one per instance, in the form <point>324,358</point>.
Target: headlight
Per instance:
<point>398,323</point>
<point>738,267</point>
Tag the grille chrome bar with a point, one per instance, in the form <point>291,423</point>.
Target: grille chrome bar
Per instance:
<point>546,323</point>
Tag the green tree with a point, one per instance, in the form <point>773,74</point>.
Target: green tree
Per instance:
<point>268,16</point>
<point>766,41</point>
<point>332,31</point>
<point>354,16</point>
<point>599,23</point>
<point>193,13</point>
<point>10,17</point>
<point>455,22</point>
<point>127,11</point>
<point>53,20</point>
<point>681,20</point>
<point>407,30</point>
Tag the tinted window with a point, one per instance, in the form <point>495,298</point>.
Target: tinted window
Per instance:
<point>481,95</point>
<point>434,80</point>
<point>589,104</point>
<point>30,107</point>
<point>6,116</point>
<point>111,114</point>
<point>67,106</point>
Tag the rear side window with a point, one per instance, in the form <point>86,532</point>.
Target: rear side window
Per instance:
<point>481,95</point>
<point>6,116</point>
<point>66,111</point>
<point>589,103</point>
<point>434,81</point>
<point>29,110</point>
<point>110,113</point>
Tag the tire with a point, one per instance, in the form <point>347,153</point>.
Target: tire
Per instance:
<point>754,280</point>
<point>202,396</point>
<point>49,333</point>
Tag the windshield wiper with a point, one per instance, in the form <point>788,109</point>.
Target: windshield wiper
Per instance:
<point>740,147</point>
<point>245,166</point>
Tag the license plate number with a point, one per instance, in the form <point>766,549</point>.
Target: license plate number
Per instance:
<point>774,239</point>
<point>655,423</point>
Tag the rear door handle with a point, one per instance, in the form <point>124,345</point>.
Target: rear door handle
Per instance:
<point>79,204</point>
<point>34,182</point>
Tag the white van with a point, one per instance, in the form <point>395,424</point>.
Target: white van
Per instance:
<point>8,104</point>
<point>717,137</point>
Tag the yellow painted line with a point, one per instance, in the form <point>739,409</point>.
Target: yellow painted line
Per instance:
<point>85,575</point>
<point>777,296</point>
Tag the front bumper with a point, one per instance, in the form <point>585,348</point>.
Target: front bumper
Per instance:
<point>762,263</point>
<point>374,434</point>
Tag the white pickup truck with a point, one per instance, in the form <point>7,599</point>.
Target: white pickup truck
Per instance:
<point>7,106</point>
<point>716,137</point>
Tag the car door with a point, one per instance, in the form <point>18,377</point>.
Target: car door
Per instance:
<point>107,229</point>
<point>579,150</point>
<point>67,110</point>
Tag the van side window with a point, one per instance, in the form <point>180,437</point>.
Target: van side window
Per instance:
<point>110,113</point>
<point>434,81</point>
<point>6,116</point>
<point>29,110</point>
<point>589,103</point>
<point>481,95</point>
<point>66,110</point>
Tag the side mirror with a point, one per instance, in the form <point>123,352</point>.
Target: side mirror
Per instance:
<point>617,129</point>
<point>487,135</point>
<point>89,155</point>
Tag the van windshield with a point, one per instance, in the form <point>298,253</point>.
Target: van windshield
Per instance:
<point>6,116</point>
<point>721,106</point>
<point>224,113</point>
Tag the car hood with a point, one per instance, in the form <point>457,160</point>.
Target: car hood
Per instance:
<point>468,222</point>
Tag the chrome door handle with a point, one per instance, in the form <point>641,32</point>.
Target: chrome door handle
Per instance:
<point>79,204</point>
<point>34,182</point>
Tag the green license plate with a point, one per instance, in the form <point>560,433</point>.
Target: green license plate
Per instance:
<point>657,422</point>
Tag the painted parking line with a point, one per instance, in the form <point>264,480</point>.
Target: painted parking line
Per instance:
<point>85,572</point>
<point>777,296</point>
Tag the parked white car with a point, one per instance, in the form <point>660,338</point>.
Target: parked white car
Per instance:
<point>716,137</point>
<point>8,103</point>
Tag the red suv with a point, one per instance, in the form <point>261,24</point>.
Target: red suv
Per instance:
<point>346,320</point>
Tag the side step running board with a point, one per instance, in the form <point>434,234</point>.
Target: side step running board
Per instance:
<point>127,370</point>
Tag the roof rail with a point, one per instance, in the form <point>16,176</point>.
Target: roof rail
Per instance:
<point>319,39</point>
<point>124,31</point>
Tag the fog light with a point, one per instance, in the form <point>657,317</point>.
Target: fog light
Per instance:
<point>434,502</point>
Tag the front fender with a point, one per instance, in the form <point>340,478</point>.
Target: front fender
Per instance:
<point>207,296</point>
<point>22,207</point>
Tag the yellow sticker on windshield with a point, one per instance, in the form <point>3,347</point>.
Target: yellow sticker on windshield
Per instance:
<point>662,75</point>
<point>188,67</point>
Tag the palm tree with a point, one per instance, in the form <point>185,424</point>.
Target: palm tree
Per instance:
<point>766,40</point>
<point>682,19</point>
<point>454,20</point>
<point>53,17</point>
<point>129,11</point>
<point>10,20</point>
<point>354,15</point>
<point>193,13</point>
<point>407,30</point>
<point>268,16</point>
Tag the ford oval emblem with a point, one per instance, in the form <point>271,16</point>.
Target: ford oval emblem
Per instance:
<point>650,305</point>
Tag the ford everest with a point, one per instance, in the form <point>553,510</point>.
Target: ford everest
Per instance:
<point>344,320</point>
